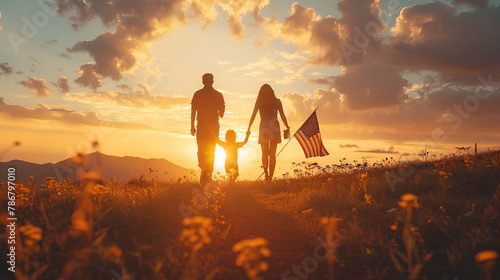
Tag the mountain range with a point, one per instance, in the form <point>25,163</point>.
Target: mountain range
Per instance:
<point>120,168</point>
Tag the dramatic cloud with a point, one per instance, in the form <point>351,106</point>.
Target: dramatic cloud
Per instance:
<point>453,112</point>
<point>88,77</point>
<point>371,86</point>
<point>459,47</point>
<point>434,36</point>
<point>5,69</point>
<point>136,99</point>
<point>37,86</point>
<point>297,25</point>
<point>62,84</point>
<point>352,42</point>
<point>331,41</point>
<point>69,117</point>
<point>139,22</point>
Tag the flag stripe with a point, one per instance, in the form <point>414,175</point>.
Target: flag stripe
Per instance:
<point>309,138</point>
<point>314,144</point>
<point>317,147</point>
<point>302,141</point>
<point>307,145</point>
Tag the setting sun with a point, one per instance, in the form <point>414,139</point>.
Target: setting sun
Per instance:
<point>360,139</point>
<point>220,157</point>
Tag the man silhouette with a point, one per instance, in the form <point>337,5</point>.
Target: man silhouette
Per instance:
<point>207,106</point>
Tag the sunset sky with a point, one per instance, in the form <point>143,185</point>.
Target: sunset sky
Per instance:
<point>390,78</point>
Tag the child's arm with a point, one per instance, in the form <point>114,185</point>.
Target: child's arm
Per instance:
<point>219,142</point>
<point>241,144</point>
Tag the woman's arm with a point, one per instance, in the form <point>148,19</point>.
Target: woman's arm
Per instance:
<point>252,118</point>
<point>246,138</point>
<point>283,117</point>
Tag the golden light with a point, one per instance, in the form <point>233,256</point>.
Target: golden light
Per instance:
<point>220,157</point>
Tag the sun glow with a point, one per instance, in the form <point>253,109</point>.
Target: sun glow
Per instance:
<point>220,157</point>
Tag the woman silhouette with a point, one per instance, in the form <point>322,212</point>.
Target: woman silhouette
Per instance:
<point>269,130</point>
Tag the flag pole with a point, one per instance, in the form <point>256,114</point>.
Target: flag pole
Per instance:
<point>288,142</point>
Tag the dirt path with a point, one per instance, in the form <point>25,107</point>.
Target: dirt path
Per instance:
<point>250,217</point>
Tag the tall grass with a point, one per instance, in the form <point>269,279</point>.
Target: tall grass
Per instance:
<point>99,228</point>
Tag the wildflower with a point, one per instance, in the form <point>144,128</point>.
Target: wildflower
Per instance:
<point>250,251</point>
<point>409,200</point>
<point>487,260</point>
<point>32,234</point>
<point>196,232</point>
<point>100,189</point>
<point>114,254</point>
<point>486,255</point>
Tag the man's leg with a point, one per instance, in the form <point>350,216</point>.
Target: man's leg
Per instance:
<point>202,153</point>
<point>213,136</point>
<point>210,159</point>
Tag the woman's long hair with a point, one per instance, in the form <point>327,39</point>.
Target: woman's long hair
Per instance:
<point>266,96</point>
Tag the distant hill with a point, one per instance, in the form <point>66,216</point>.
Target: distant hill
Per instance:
<point>121,168</point>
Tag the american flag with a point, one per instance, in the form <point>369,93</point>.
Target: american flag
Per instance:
<point>309,138</point>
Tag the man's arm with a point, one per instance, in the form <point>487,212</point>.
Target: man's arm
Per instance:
<point>193,116</point>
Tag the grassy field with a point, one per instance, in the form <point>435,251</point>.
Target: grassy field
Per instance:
<point>324,224</point>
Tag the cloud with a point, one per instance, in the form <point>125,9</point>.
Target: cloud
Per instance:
<point>62,84</point>
<point>37,86</point>
<point>371,86</point>
<point>331,41</point>
<point>297,25</point>
<point>455,112</point>
<point>65,116</point>
<point>458,45</point>
<point>347,146</point>
<point>138,23</point>
<point>480,4</point>
<point>88,77</point>
<point>391,150</point>
<point>352,42</point>
<point>6,69</point>
<point>135,99</point>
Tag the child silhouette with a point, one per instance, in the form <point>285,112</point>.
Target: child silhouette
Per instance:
<point>231,149</point>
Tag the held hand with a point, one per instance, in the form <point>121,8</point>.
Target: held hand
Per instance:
<point>193,131</point>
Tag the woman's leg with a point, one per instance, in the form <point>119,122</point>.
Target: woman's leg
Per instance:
<point>265,157</point>
<point>272,157</point>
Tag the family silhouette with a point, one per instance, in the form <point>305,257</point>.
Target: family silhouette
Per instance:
<point>207,106</point>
